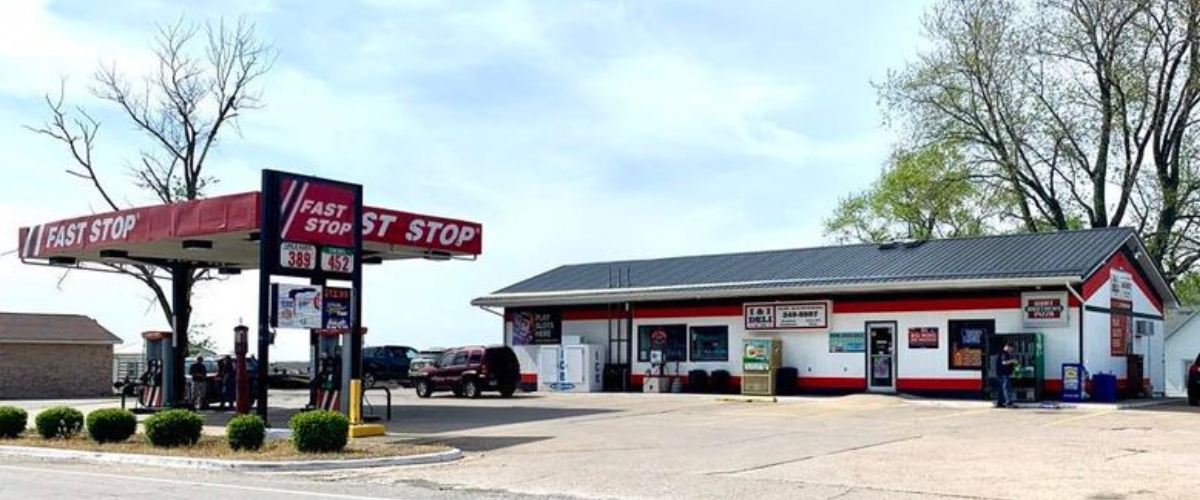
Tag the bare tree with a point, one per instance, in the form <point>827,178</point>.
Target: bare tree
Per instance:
<point>203,81</point>
<point>1084,108</point>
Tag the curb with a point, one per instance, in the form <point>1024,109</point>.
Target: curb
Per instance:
<point>230,465</point>
<point>1046,405</point>
<point>748,399</point>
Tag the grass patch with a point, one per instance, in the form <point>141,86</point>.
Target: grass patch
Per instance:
<point>216,447</point>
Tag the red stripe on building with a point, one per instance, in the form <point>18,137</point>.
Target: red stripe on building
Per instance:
<point>590,314</point>
<point>687,312</point>
<point>929,304</point>
<point>939,384</point>
<point>832,383</point>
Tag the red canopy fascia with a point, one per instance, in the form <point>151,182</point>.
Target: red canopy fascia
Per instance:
<point>230,225</point>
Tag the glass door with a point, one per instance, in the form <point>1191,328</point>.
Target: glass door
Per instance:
<point>881,357</point>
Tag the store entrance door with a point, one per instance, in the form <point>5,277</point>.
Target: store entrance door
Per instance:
<point>881,357</point>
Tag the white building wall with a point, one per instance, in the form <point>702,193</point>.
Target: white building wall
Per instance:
<point>808,351</point>
<point>1181,351</point>
<point>1098,328</point>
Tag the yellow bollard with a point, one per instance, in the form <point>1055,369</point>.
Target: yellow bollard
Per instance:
<point>355,401</point>
<point>357,427</point>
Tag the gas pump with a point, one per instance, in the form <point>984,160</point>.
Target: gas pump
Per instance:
<point>241,345</point>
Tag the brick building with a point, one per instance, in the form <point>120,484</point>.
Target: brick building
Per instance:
<point>45,356</point>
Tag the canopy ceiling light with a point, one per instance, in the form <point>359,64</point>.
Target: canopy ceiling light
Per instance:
<point>197,244</point>
<point>113,254</point>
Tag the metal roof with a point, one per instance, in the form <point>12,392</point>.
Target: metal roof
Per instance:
<point>946,263</point>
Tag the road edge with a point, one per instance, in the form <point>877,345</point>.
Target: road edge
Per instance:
<point>230,465</point>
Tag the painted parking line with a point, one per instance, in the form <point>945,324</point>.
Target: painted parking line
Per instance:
<point>1078,418</point>
<point>956,414</point>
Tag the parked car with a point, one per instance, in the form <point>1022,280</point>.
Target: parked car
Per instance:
<point>424,358</point>
<point>469,371</point>
<point>389,362</point>
<point>1193,383</point>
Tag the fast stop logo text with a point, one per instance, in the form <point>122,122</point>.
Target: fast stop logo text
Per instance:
<point>422,231</point>
<point>318,213</point>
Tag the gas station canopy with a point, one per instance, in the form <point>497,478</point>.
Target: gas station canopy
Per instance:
<point>223,232</point>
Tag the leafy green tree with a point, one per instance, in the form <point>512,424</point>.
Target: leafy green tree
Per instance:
<point>1083,110</point>
<point>923,193</point>
<point>1187,288</point>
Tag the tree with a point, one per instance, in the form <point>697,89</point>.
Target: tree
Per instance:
<point>201,84</point>
<point>1083,109</point>
<point>924,193</point>
<point>1187,288</point>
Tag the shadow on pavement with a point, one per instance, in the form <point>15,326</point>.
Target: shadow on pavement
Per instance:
<point>482,444</point>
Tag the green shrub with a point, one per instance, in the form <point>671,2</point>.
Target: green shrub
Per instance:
<point>12,421</point>
<point>245,432</point>
<point>59,422</point>
<point>319,431</point>
<point>172,428</point>
<point>111,425</point>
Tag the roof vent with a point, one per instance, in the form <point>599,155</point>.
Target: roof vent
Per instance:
<point>888,245</point>
<point>913,243</point>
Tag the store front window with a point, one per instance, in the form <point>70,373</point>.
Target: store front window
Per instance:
<point>671,339</point>
<point>710,343</point>
<point>967,342</point>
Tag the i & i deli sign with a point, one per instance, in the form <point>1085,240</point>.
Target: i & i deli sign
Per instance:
<point>786,315</point>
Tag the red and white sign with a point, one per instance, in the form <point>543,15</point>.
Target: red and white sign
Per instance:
<point>318,213</point>
<point>422,231</point>
<point>1044,309</point>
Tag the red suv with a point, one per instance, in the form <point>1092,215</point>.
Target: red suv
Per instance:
<point>468,371</point>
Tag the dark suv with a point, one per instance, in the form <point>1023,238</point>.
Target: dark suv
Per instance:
<point>389,362</point>
<point>468,371</point>
<point>1193,383</point>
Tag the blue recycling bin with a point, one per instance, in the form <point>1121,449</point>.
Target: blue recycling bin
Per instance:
<point>1104,387</point>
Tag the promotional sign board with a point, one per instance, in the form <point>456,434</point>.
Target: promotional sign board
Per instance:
<point>536,328</point>
<point>310,228</point>
<point>1121,315</point>
<point>296,306</point>
<point>756,355</point>
<point>923,337</point>
<point>847,342</point>
<point>1041,309</point>
<point>335,308</point>
<point>786,315</point>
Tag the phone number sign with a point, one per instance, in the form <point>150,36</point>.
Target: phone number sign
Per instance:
<point>786,315</point>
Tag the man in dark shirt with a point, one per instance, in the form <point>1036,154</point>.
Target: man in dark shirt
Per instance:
<point>1004,371</point>
<point>199,374</point>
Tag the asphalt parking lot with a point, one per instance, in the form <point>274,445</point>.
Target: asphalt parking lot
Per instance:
<point>853,447</point>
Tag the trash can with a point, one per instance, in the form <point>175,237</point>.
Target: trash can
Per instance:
<point>719,382</point>
<point>1104,387</point>
<point>785,381</point>
<point>697,381</point>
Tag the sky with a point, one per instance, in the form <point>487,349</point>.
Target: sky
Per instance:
<point>573,131</point>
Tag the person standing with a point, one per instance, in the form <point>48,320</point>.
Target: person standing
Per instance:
<point>226,381</point>
<point>1004,372</point>
<point>199,374</point>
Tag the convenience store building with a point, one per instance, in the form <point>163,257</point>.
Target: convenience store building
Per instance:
<point>919,317</point>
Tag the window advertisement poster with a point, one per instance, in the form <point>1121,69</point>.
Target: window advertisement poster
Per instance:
<point>786,315</point>
<point>536,328</point>
<point>966,339</point>
<point>1041,309</point>
<point>296,306</point>
<point>847,342</point>
<point>923,337</point>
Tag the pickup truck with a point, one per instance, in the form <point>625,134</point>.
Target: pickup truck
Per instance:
<point>389,362</point>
